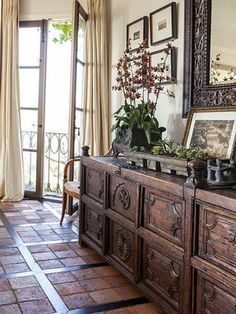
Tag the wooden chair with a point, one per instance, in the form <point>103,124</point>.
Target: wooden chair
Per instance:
<point>72,188</point>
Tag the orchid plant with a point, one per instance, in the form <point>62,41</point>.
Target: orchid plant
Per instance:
<point>141,84</point>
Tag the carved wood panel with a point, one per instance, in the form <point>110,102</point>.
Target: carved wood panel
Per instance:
<point>94,187</point>
<point>93,225</point>
<point>164,216</point>
<point>122,245</point>
<point>123,197</point>
<point>217,237</point>
<point>211,299</point>
<point>162,274</point>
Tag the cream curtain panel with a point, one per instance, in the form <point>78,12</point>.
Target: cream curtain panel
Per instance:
<point>95,131</point>
<point>11,165</point>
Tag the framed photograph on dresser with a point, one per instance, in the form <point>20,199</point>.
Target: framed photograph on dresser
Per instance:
<point>163,24</point>
<point>137,33</point>
<point>213,130</point>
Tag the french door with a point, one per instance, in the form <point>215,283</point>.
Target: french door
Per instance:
<point>77,77</point>
<point>33,41</point>
<point>32,68</point>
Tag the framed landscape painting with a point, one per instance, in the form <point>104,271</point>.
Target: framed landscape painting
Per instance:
<point>212,130</point>
<point>163,24</point>
<point>137,33</point>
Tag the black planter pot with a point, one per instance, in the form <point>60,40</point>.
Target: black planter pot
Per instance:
<point>139,137</point>
<point>126,139</point>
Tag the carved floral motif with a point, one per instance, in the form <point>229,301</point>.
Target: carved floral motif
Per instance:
<point>122,194</point>
<point>122,244</point>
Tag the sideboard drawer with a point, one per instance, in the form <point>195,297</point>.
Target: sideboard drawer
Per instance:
<point>94,184</point>
<point>217,236</point>
<point>213,297</point>
<point>123,197</point>
<point>164,215</point>
<point>93,225</point>
<point>122,246</point>
<point>163,275</point>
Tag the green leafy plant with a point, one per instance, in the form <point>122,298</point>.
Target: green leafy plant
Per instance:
<point>64,32</point>
<point>141,116</point>
<point>171,148</point>
<point>141,84</point>
<point>164,147</point>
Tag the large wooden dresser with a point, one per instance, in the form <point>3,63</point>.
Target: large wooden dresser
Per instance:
<point>177,244</point>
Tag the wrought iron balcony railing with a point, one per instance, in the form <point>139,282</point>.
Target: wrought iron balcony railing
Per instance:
<point>55,157</point>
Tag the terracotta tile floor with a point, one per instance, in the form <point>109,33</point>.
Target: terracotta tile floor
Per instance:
<point>43,269</point>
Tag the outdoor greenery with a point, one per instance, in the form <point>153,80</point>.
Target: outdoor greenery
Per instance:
<point>64,32</point>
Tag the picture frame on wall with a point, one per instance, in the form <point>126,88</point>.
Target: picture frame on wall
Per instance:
<point>137,33</point>
<point>163,24</point>
<point>170,71</point>
<point>213,130</point>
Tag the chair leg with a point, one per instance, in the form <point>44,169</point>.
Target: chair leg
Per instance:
<point>64,201</point>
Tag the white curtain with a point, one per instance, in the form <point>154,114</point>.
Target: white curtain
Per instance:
<point>11,161</point>
<point>96,130</point>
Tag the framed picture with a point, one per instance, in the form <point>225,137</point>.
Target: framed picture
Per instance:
<point>213,130</point>
<point>163,24</point>
<point>137,33</point>
<point>170,71</point>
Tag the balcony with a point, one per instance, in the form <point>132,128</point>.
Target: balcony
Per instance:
<point>55,157</point>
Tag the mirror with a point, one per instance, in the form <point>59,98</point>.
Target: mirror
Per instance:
<point>223,44</point>
<point>210,30</point>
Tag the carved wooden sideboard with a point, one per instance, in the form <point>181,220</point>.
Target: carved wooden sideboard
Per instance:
<point>169,240</point>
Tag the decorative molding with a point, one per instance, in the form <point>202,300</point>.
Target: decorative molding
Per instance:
<point>157,267</point>
<point>209,292</point>
<point>95,183</point>
<point>177,225</point>
<point>100,227</point>
<point>197,90</point>
<point>122,193</point>
<point>122,244</point>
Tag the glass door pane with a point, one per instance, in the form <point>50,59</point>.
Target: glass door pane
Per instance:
<point>29,46</point>
<point>29,87</point>
<point>57,105</point>
<point>32,66</point>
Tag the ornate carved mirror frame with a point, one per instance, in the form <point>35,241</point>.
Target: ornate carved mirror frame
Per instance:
<point>197,90</point>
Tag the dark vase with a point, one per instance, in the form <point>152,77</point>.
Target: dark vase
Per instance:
<point>156,136</point>
<point>139,137</point>
<point>126,139</point>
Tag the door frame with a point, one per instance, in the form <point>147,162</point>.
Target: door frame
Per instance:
<point>43,25</point>
<point>77,12</point>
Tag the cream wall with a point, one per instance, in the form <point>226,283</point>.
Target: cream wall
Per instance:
<point>123,12</point>
<point>46,9</point>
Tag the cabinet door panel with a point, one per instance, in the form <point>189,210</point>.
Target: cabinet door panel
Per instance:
<point>94,184</point>
<point>212,299</point>
<point>164,215</point>
<point>122,246</point>
<point>93,225</point>
<point>162,274</point>
<point>217,237</point>
<point>123,197</point>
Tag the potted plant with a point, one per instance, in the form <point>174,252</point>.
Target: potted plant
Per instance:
<point>141,84</point>
<point>166,156</point>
